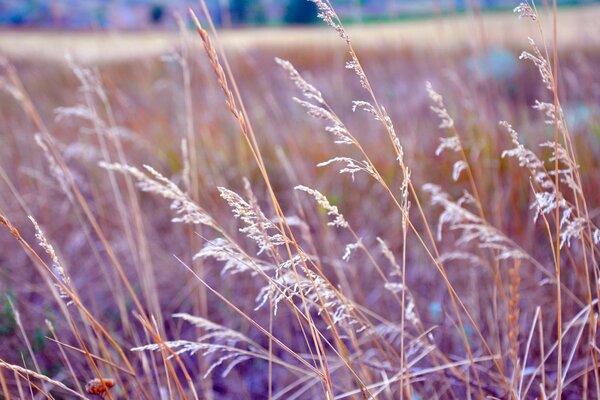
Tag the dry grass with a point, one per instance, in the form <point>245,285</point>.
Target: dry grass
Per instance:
<point>196,240</point>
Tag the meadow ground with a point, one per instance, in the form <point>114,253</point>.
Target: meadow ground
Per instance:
<point>447,261</point>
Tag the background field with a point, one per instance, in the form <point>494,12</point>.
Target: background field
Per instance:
<point>136,106</point>
<point>443,34</point>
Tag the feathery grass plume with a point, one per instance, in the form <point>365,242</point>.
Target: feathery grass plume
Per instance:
<point>575,222</point>
<point>416,349</point>
<point>26,374</point>
<point>236,261</point>
<point>397,287</point>
<point>385,250</point>
<point>385,119</point>
<point>315,291</point>
<point>572,226</point>
<point>526,157</point>
<point>87,112</point>
<point>340,131</point>
<point>351,248</point>
<point>57,267</point>
<point>321,110</point>
<point>451,142</point>
<point>187,211</point>
<point>79,111</point>
<point>549,111</point>
<point>537,170</point>
<point>249,135</point>
<point>567,167</point>
<point>525,11</point>
<point>224,346</point>
<point>458,167</point>
<point>88,78</point>
<point>541,63</point>
<point>354,65</point>
<point>327,14</point>
<point>469,258</point>
<point>439,108</point>
<point>353,166</point>
<point>217,68</point>
<point>258,227</point>
<point>409,311</point>
<point>280,287</point>
<point>471,228</point>
<point>365,106</point>
<point>332,210</point>
<point>337,128</point>
<point>54,168</point>
<point>309,91</point>
<point>6,85</point>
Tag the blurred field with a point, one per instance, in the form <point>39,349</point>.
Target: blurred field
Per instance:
<point>139,99</point>
<point>577,30</point>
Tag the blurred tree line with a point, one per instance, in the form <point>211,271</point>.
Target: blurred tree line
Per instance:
<point>136,14</point>
<point>255,11</point>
